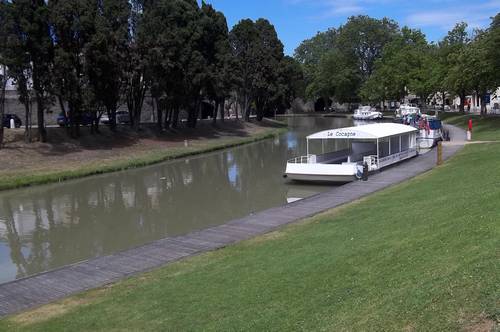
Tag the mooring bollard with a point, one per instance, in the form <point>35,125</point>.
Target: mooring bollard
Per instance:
<point>469,131</point>
<point>365,172</point>
<point>440,153</point>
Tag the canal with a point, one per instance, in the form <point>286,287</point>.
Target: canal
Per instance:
<point>45,227</point>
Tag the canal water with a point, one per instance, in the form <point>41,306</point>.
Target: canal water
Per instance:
<point>45,227</point>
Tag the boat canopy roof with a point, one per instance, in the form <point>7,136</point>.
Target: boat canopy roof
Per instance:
<point>369,131</point>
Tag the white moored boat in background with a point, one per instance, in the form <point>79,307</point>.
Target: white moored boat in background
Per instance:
<point>367,113</point>
<point>405,110</point>
<point>344,151</point>
<point>430,131</point>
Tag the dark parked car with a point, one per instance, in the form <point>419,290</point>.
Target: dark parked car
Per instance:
<point>6,120</point>
<point>63,120</point>
<point>122,117</point>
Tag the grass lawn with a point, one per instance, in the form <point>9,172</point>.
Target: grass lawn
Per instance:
<point>420,256</point>
<point>483,128</point>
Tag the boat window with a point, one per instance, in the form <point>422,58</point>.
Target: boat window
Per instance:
<point>318,146</point>
<point>383,147</point>
<point>362,148</point>
<point>395,145</point>
<point>405,142</point>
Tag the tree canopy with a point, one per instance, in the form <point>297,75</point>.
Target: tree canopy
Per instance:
<point>92,56</point>
<point>373,61</point>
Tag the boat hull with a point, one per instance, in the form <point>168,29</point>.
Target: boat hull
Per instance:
<point>317,172</point>
<point>320,178</point>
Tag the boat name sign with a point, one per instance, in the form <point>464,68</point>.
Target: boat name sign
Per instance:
<point>342,134</point>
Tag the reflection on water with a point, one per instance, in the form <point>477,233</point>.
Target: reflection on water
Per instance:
<point>46,227</point>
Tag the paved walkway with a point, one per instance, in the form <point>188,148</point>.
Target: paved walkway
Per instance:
<point>23,294</point>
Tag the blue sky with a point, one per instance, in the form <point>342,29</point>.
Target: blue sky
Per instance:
<point>296,20</point>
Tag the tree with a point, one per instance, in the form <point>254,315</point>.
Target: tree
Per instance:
<point>73,27</point>
<point>453,63</point>
<point>268,53</point>
<point>310,51</point>
<point>290,84</point>
<point>492,47</point>
<point>135,71</point>
<point>217,53</point>
<point>404,66</point>
<point>171,34</point>
<point>257,52</point>
<point>478,67</point>
<point>105,56</point>
<point>31,57</point>
<point>340,77</point>
<point>4,23</point>
<point>243,38</point>
<point>337,63</point>
<point>364,38</point>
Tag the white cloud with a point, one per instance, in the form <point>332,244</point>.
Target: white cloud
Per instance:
<point>476,15</point>
<point>333,8</point>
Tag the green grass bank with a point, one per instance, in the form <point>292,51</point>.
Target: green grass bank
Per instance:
<point>420,256</point>
<point>27,177</point>
<point>484,128</point>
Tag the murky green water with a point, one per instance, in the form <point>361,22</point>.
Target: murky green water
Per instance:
<point>45,227</point>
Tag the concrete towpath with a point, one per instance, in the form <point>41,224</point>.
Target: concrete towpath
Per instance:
<point>33,291</point>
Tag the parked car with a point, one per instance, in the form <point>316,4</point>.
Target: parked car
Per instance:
<point>6,120</point>
<point>122,117</point>
<point>104,118</point>
<point>63,120</point>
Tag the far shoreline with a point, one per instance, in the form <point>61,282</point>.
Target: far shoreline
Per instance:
<point>65,159</point>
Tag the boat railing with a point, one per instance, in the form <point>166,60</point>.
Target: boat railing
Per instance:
<point>390,159</point>
<point>303,159</point>
<point>371,161</point>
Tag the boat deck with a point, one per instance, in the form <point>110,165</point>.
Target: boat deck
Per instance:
<point>30,292</point>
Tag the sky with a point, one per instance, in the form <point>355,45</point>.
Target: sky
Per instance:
<point>297,20</point>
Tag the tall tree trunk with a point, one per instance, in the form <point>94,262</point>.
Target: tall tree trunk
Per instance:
<point>482,103</point>
<point>193,113</point>
<point>168,116</point>
<point>222,108</point>
<point>74,123</point>
<point>2,104</point>
<point>27,121</point>
<point>461,108</point>
<point>444,97</point>
<point>175,119</point>
<point>159,114</point>
<point>112,117</point>
<point>135,99</point>
<point>40,106</point>
<point>247,108</point>
<point>216,110</point>
<point>236,105</point>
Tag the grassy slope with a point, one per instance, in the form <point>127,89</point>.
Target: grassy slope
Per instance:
<point>36,178</point>
<point>483,128</point>
<point>420,256</point>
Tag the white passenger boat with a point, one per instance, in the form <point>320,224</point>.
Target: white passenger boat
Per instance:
<point>344,151</point>
<point>367,113</point>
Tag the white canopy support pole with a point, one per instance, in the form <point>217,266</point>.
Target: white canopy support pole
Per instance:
<point>378,156</point>
<point>399,143</point>
<point>307,147</point>
<point>322,146</point>
<point>389,146</point>
<point>350,150</point>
